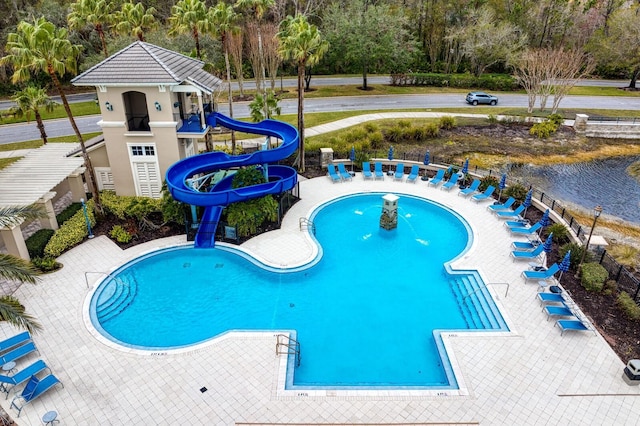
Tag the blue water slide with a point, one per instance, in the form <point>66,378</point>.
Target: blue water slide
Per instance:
<point>281,178</point>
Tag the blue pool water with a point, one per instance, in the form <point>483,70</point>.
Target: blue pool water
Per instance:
<point>364,314</point>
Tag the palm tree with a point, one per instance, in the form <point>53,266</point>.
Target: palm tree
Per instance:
<point>41,47</point>
<point>97,13</point>
<point>224,23</point>
<point>13,268</point>
<point>262,103</point>
<point>190,16</point>
<point>30,99</point>
<point>134,19</point>
<point>302,43</point>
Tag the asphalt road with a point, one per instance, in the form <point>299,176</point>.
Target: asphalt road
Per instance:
<point>61,127</point>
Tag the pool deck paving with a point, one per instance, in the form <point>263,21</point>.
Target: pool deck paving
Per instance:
<point>528,376</point>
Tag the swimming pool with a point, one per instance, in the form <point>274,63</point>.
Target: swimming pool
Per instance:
<point>364,314</point>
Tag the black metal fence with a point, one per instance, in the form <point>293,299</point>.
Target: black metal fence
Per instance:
<point>617,120</point>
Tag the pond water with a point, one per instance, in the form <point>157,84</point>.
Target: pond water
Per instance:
<point>604,182</point>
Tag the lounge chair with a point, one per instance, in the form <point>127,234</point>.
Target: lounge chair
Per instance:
<point>33,389</point>
<point>377,171</point>
<point>485,195</point>
<point>366,171</point>
<point>471,189</point>
<point>453,180</point>
<point>435,181</point>
<point>399,174</point>
<point>511,213</point>
<point>520,223</point>
<point>523,230</point>
<point>541,275</point>
<point>413,174</point>
<point>525,245</point>
<point>572,325</point>
<point>335,177</point>
<point>18,353</point>
<point>344,174</point>
<point>502,206</point>
<point>557,311</point>
<point>550,298</point>
<point>528,255</point>
<point>9,382</point>
<point>16,340</point>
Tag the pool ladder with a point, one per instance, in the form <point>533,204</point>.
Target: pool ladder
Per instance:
<point>305,223</point>
<point>285,345</point>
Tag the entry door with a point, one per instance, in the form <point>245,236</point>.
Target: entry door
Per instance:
<point>146,172</point>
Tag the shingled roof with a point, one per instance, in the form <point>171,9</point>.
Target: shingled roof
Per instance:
<point>144,64</point>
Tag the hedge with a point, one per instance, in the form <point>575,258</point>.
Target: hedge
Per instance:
<point>71,233</point>
<point>504,83</point>
<point>38,241</point>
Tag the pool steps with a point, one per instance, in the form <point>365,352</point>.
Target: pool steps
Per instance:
<point>471,296</point>
<point>116,297</point>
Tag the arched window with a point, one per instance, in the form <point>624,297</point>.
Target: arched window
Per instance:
<point>135,108</point>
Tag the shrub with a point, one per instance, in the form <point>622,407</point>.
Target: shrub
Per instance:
<point>371,127</point>
<point>356,135</point>
<point>492,119</point>
<point>431,130</point>
<point>628,306</point>
<point>38,241</point>
<point>485,181</point>
<point>71,233</point>
<point>376,139</point>
<point>610,287</point>
<point>516,191</point>
<point>394,134</point>
<point>560,232</point>
<point>172,210</point>
<point>45,264</point>
<point>120,234</point>
<point>416,134</point>
<point>247,216</point>
<point>447,122</point>
<point>576,253</point>
<point>247,176</point>
<point>403,124</point>
<point>593,276</point>
<point>624,255</point>
<point>543,130</point>
<point>556,119</point>
<point>67,213</point>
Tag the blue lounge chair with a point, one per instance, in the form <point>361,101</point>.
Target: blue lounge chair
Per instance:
<point>572,325</point>
<point>541,275</point>
<point>471,189</point>
<point>413,174</point>
<point>9,382</point>
<point>33,389</point>
<point>502,206</point>
<point>511,213</point>
<point>377,171</point>
<point>344,174</point>
<point>522,230</point>
<point>525,245</point>
<point>16,340</point>
<point>550,298</point>
<point>453,180</point>
<point>485,195</point>
<point>18,353</point>
<point>528,255</point>
<point>435,181</point>
<point>557,311</point>
<point>520,223</point>
<point>335,177</point>
<point>399,174</point>
<point>366,171</point>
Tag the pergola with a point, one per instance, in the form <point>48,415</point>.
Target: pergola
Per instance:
<point>32,180</point>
